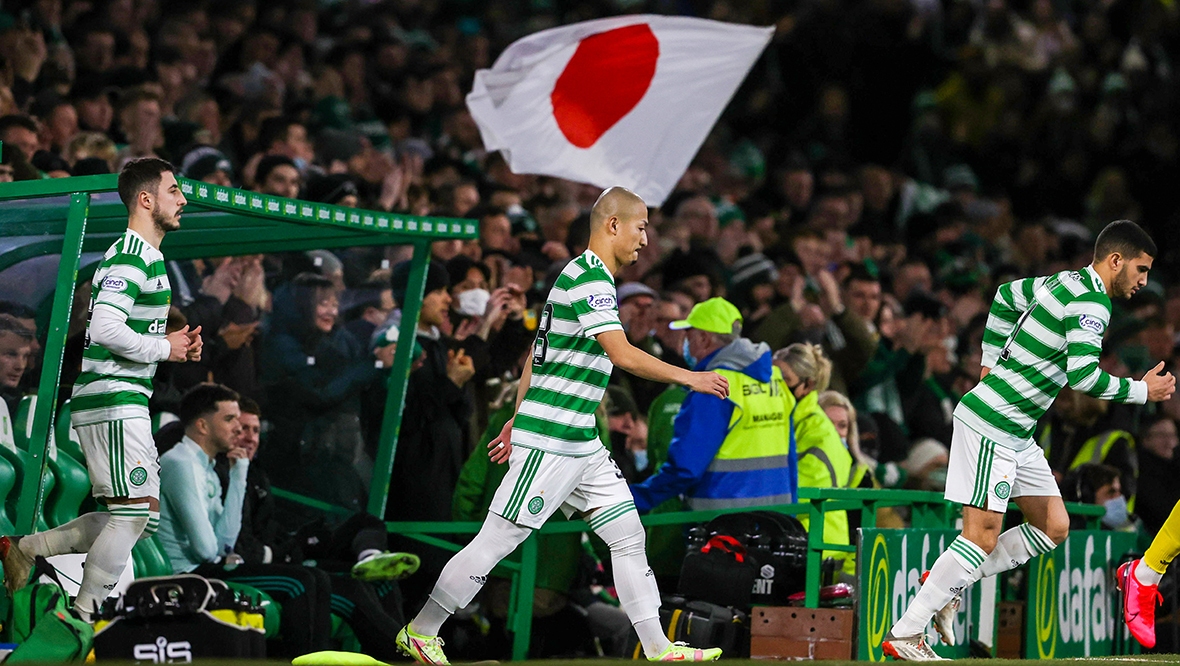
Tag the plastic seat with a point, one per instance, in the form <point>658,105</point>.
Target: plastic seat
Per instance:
<point>71,489</point>
<point>150,559</point>
<point>7,486</point>
<point>67,437</point>
<point>21,461</point>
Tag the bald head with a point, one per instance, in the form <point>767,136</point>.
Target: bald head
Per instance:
<point>615,202</point>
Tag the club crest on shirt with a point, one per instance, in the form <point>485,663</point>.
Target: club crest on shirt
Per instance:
<point>1090,323</point>
<point>601,302</point>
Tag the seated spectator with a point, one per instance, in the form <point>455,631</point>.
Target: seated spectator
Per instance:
<point>713,461</point>
<point>198,530</point>
<point>628,435</point>
<point>1095,483</point>
<point>278,176</point>
<point>1158,490</point>
<point>16,347</point>
<point>824,461</point>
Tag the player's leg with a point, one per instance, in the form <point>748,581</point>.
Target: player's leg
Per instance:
<point>129,480</point>
<point>1047,522</point>
<point>1139,580</point>
<point>531,474</point>
<point>979,477</point>
<point>605,497</point>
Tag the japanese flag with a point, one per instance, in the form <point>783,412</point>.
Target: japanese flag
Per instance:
<point>618,101</point>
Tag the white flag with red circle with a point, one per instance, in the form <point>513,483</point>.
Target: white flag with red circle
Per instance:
<point>617,101</point>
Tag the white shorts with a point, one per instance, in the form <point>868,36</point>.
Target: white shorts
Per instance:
<point>121,458</point>
<point>983,474</point>
<point>538,483</point>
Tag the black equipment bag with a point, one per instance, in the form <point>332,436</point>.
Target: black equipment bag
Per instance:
<point>179,619</point>
<point>700,624</point>
<point>772,566</point>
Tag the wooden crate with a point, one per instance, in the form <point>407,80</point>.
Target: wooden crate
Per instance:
<point>801,633</point>
<point>1010,637</point>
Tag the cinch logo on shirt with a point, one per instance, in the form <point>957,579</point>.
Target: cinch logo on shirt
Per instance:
<point>1088,322</point>
<point>602,302</point>
<point>114,284</point>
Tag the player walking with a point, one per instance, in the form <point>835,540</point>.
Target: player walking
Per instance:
<point>1042,334</point>
<point>555,458</point>
<point>124,341</point>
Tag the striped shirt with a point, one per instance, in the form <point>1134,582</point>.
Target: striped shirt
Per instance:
<point>133,281</point>
<point>570,369</point>
<point>1043,334</point>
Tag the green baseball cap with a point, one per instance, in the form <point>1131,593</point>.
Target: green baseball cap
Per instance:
<point>715,315</point>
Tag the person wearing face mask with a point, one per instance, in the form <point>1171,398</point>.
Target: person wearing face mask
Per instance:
<point>730,452</point>
<point>1095,483</point>
<point>824,461</point>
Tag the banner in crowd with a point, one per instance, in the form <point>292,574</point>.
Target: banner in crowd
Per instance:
<point>891,562</point>
<point>1073,601</point>
<point>625,100</point>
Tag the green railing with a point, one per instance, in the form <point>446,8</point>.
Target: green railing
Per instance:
<point>928,510</point>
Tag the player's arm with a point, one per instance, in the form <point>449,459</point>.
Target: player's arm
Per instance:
<point>638,362</point>
<point>500,448</point>
<point>1086,318</point>
<point>186,508</point>
<point>112,306</point>
<point>1012,300</point>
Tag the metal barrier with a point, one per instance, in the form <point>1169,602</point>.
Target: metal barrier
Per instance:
<point>929,511</point>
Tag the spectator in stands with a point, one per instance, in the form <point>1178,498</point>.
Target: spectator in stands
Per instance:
<point>1095,483</point>
<point>20,132</point>
<point>712,461</point>
<point>637,313</point>
<point>16,347</point>
<point>824,461</point>
<point>1158,491</point>
<point>277,175</point>
<point>314,373</point>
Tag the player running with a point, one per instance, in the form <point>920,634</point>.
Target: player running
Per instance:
<point>1140,580</point>
<point>124,341</point>
<point>555,458</point>
<point>1042,334</point>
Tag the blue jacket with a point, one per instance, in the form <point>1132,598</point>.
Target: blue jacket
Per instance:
<point>700,430</point>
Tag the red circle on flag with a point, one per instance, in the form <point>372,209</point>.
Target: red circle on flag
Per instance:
<point>606,77</point>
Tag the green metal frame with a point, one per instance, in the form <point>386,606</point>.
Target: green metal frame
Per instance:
<point>72,216</point>
<point>930,510</point>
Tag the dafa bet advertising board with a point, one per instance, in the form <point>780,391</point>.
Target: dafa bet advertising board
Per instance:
<point>891,562</point>
<point>1073,603</point>
<point>1072,607</point>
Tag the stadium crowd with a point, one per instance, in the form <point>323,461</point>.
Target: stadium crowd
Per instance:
<point>883,169</point>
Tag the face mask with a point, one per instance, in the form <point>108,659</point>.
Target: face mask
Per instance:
<point>1116,513</point>
<point>473,302</point>
<point>688,357</point>
<point>844,441</point>
<point>640,459</point>
<point>300,164</point>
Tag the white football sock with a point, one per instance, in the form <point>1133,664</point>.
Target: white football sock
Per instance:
<point>1146,575</point>
<point>951,573</point>
<point>75,536</point>
<point>153,524</point>
<point>635,582</point>
<point>464,576</point>
<point>107,556</point>
<point>1014,547</point>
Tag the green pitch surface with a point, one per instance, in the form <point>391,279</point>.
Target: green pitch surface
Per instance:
<point>1114,661</point>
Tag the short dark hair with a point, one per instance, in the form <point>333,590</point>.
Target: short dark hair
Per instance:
<point>273,130</point>
<point>859,273</point>
<point>1084,482</point>
<point>141,175</point>
<point>202,399</point>
<point>18,310</point>
<point>15,120</point>
<point>249,406</point>
<point>1124,237</point>
<point>11,324</point>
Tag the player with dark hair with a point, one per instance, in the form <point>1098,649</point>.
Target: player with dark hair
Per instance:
<point>125,339</point>
<point>1043,333</point>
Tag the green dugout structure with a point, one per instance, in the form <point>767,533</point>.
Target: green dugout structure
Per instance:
<point>79,218</point>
